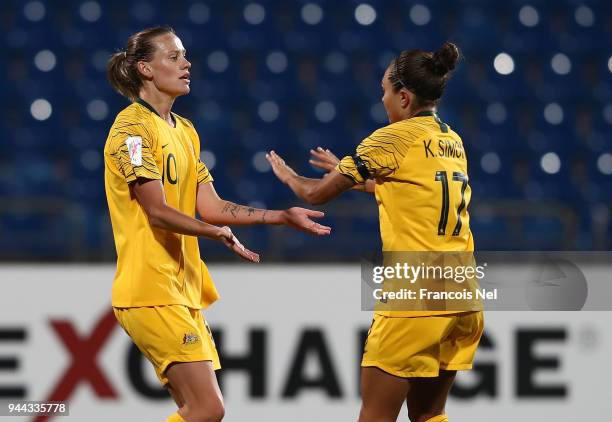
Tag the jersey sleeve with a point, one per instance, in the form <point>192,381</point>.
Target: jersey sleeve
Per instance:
<point>132,148</point>
<point>377,156</point>
<point>204,175</point>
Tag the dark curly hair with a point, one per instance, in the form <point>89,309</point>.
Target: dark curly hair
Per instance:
<point>424,73</point>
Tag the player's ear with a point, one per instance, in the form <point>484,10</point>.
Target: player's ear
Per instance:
<point>144,69</point>
<point>405,98</point>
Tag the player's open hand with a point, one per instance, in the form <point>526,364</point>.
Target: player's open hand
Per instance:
<point>227,237</point>
<point>300,219</point>
<point>323,159</point>
<point>279,167</point>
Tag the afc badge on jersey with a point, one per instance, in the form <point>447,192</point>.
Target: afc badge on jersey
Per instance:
<point>134,145</point>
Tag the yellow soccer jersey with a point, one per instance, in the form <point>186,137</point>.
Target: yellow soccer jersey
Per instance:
<point>154,266</point>
<point>420,168</point>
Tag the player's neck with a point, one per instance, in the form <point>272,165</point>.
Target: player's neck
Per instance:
<point>161,102</point>
<point>411,113</point>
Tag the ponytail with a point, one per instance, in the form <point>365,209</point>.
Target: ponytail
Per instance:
<point>121,77</point>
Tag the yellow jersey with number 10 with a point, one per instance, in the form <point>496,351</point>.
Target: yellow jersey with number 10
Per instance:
<point>155,267</point>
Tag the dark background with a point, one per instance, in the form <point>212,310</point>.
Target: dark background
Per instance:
<point>293,75</point>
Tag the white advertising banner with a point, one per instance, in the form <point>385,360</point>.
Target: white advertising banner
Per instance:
<point>290,339</point>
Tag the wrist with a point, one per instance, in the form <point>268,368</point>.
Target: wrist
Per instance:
<point>288,178</point>
<point>277,217</point>
<point>218,233</point>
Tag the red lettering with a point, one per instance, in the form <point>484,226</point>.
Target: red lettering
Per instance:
<point>84,368</point>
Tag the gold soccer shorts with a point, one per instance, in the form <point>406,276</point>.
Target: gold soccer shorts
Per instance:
<point>168,334</point>
<point>421,346</point>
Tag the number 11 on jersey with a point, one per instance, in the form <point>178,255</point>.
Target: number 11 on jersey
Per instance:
<point>442,177</point>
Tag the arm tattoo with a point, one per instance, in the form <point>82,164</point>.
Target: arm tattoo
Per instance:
<point>232,208</point>
<point>263,216</point>
<point>235,209</point>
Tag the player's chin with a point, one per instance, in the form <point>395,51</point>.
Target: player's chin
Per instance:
<point>182,90</point>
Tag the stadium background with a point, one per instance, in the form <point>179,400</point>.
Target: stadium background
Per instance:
<point>532,100</point>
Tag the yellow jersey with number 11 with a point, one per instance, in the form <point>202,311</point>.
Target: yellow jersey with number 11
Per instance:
<point>420,168</point>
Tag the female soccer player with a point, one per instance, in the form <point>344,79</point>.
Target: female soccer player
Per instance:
<point>155,183</point>
<point>417,168</point>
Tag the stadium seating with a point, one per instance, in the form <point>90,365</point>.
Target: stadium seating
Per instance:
<point>532,100</point>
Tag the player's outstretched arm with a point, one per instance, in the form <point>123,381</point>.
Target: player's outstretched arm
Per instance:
<point>327,161</point>
<point>313,191</point>
<point>214,210</point>
<point>150,195</point>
